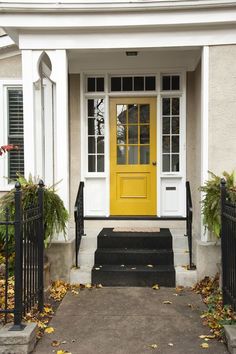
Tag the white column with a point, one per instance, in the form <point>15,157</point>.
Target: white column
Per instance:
<point>29,123</point>
<point>204,125</point>
<point>59,75</point>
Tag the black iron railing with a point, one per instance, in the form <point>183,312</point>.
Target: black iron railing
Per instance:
<point>189,227</point>
<point>228,245</point>
<point>79,220</point>
<point>24,245</point>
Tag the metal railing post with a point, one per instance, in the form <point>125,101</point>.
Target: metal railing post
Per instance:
<point>40,247</point>
<point>223,240</point>
<point>18,259</point>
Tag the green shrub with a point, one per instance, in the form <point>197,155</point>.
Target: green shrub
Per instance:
<point>211,203</point>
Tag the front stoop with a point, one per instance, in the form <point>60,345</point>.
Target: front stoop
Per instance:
<point>18,342</point>
<point>230,333</point>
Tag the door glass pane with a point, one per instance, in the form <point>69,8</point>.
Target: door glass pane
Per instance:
<point>133,134</point>
<point>144,134</point>
<point>91,145</point>
<point>175,162</point>
<point>100,163</point>
<point>121,134</point>
<point>91,163</point>
<point>175,143</point>
<point>144,155</point>
<point>121,110</point>
<point>166,106</point>
<point>165,144</point>
<point>166,163</point>
<point>91,126</point>
<point>175,106</point>
<point>166,125</point>
<point>133,113</point>
<point>100,144</point>
<point>121,155</point>
<point>99,122</point>
<point>175,125</point>
<point>133,155</point>
<point>144,113</point>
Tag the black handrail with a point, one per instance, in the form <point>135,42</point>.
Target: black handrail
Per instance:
<point>79,219</point>
<point>189,221</point>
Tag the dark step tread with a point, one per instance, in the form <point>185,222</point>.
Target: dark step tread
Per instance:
<point>133,268</point>
<point>134,250</point>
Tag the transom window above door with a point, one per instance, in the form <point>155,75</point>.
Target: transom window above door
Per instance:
<point>133,134</point>
<point>132,83</point>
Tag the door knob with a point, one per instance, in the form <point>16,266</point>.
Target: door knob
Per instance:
<point>154,163</point>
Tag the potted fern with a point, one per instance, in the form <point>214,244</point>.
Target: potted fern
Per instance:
<point>211,203</point>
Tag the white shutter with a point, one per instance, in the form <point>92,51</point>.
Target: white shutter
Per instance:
<point>15,131</point>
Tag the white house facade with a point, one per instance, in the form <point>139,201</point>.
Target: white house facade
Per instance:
<point>134,98</point>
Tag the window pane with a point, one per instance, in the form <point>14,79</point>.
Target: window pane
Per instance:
<point>121,134</point>
<point>91,126</point>
<point>175,125</point>
<point>121,110</point>
<point>116,84</point>
<point>165,82</point>
<point>166,125</point>
<point>133,134</point>
<point>91,84</point>
<point>16,157</point>
<point>139,83</point>
<point>144,155</point>
<point>100,145</point>
<point>166,163</point>
<point>175,162</point>
<point>175,106</point>
<point>99,121</point>
<point>175,144</point>
<point>91,108</point>
<point>100,163</point>
<point>133,113</point>
<point>127,83</point>
<point>175,82</point>
<point>100,84</point>
<point>121,155</point>
<point>91,163</point>
<point>144,134</point>
<point>133,155</point>
<point>166,106</point>
<point>91,145</point>
<point>165,144</point>
<point>144,113</point>
<point>150,83</point>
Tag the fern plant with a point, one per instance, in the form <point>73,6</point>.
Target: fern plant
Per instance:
<point>211,203</point>
<point>55,213</point>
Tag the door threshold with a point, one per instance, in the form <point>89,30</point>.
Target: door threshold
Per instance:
<point>131,217</point>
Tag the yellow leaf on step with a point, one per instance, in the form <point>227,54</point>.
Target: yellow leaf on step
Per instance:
<point>167,302</point>
<point>154,346</point>
<point>156,287</point>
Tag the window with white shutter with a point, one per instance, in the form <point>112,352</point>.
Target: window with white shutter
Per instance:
<point>15,131</point>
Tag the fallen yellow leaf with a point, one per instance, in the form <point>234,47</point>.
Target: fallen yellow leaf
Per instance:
<point>55,343</point>
<point>49,330</point>
<point>204,345</point>
<point>154,346</point>
<point>150,265</point>
<point>156,287</point>
<point>167,302</point>
<point>170,344</point>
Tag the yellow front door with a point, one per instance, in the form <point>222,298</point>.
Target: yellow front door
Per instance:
<point>133,156</point>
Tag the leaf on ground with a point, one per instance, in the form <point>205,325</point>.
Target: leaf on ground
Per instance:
<point>204,345</point>
<point>150,265</point>
<point>75,292</point>
<point>170,344</point>
<point>133,268</point>
<point>98,285</point>
<point>167,302</point>
<point>209,336</point>
<point>89,286</point>
<point>55,343</point>
<point>154,346</point>
<point>155,287</point>
<point>49,330</point>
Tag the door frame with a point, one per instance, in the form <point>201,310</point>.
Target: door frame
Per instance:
<point>106,95</point>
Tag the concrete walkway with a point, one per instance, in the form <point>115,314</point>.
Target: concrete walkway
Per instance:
<point>129,321</point>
